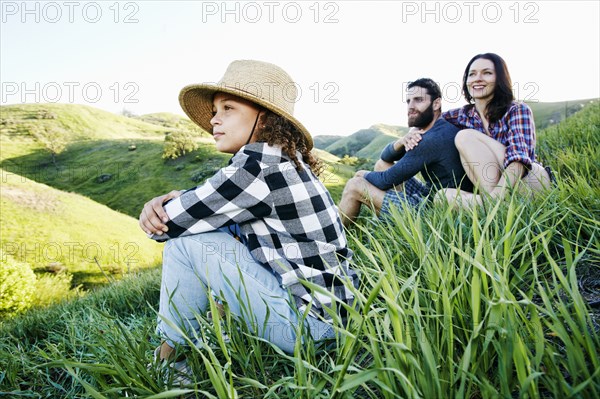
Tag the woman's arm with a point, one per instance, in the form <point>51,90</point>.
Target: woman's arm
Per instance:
<point>519,138</point>
<point>452,116</point>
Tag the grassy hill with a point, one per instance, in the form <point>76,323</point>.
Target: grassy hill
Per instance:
<point>499,301</point>
<point>22,126</point>
<point>368,143</point>
<point>77,121</point>
<point>107,172</point>
<point>51,229</point>
<point>173,121</point>
<point>551,113</point>
<point>101,166</point>
<point>324,141</point>
<point>365,143</point>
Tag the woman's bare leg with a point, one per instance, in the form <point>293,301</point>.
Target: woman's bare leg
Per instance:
<point>537,179</point>
<point>482,158</point>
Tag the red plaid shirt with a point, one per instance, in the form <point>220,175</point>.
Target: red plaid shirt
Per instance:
<point>515,130</point>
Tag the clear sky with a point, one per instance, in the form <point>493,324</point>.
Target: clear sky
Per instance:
<point>351,60</point>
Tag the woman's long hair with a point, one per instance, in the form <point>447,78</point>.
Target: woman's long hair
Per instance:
<point>277,130</point>
<point>503,94</point>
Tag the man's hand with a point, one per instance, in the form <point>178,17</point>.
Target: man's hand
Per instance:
<point>153,215</point>
<point>412,138</point>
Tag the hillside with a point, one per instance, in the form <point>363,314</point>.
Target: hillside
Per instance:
<point>77,121</point>
<point>25,127</point>
<point>172,121</point>
<point>365,143</point>
<point>551,113</point>
<point>102,167</point>
<point>50,229</point>
<point>368,143</point>
<point>324,141</point>
<point>107,172</point>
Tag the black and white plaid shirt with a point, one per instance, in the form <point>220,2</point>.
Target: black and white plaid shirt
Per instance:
<point>288,220</point>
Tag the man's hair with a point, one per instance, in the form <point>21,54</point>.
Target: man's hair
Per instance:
<point>432,88</point>
<point>503,95</point>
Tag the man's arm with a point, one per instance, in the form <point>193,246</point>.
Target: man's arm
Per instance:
<point>409,165</point>
<point>395,151</point>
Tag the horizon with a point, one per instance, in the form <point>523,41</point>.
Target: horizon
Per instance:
<point>121,113</point>
<point>350,60</point>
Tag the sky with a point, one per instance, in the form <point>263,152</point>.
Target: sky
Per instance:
<point>350,60</point>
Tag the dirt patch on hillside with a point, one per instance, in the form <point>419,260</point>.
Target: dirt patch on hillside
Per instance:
<point>38,201</point>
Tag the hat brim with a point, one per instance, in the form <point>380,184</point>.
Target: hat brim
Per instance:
<point>196,100</point>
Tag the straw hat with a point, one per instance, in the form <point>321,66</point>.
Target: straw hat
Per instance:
<point>260,82</point>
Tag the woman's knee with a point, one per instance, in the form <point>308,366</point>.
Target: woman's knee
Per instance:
<point>465,137</point>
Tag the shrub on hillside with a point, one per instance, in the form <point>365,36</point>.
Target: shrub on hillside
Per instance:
<point>54,139</point>
<point>17,285</point>
<point>178,143</point>
<point>54,288</point>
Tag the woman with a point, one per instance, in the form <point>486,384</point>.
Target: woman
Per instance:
<point>257,229</point>
<point>505,153</point>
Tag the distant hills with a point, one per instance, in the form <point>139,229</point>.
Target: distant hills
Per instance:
<point>368,143</point>
<point>365,143</point>
<point>114,159</point>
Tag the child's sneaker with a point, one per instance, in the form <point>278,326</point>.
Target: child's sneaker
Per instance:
<point>179,372</point>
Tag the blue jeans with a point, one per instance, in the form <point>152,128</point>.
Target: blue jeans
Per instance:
<point>196,264</point>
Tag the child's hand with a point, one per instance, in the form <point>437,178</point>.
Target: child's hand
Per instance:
<point>153,215</point>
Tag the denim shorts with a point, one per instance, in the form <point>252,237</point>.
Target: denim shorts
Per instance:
<point>414,193</point>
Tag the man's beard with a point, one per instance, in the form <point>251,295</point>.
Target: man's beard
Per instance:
<point>423,118</point>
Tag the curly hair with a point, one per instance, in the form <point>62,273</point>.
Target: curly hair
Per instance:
<point>277,130</point>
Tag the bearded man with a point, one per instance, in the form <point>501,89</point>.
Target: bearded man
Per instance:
<point>393,182</point>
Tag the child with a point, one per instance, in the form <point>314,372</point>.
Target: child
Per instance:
<point>260,226</point>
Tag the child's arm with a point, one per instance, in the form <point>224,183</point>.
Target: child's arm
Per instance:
<point>235,194</point>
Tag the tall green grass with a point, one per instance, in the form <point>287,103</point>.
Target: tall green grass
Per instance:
<point>481,304</point>
<point>452,304</point>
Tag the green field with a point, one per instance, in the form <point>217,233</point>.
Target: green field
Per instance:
<point>499,301</point>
